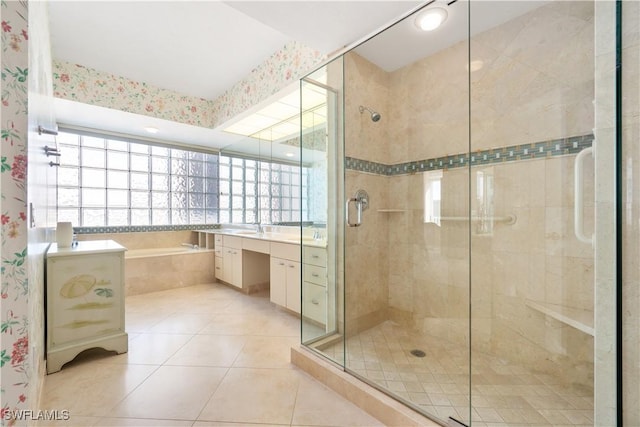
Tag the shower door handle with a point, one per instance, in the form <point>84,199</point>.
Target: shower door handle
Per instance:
<point>358,210</point>
<point>578,206</point>
<point>361,199</point>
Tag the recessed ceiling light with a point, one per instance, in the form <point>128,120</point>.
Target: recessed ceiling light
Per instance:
<point>430,19</point>
<point>289,154</point>
<point>475,65</point>
<point>151,129</point>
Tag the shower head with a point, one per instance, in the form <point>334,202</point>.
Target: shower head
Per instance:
<point>375,116</point>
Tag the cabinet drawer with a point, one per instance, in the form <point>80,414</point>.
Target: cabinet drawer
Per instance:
<point>314,256</point>
<point>232,242</point>
<point>315,274</point>
<point>218,265</point>
<point>314,302</point>
<point>286,251</point>
<point>218,239</point>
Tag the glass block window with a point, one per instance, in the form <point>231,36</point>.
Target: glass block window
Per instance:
<point>108,182</point>
<point>112,182</point>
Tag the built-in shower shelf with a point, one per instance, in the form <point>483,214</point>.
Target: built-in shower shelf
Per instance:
<point>392,210</point>
<point>582,320</point>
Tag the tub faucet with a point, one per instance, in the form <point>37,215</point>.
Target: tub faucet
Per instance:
<point>190,245</point>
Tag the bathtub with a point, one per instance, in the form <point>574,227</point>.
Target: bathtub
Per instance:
<point>159,269</point>
<point>153,252</point>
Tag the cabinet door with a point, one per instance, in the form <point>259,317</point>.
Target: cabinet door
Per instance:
<point>236,279</point>
<point>278,281</point>
<point>219,262</point>
<point>227,265</point>
<point>84,297</point>
<point>293,286</point>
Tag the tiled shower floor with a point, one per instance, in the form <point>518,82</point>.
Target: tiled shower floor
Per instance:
<point>503,394</point>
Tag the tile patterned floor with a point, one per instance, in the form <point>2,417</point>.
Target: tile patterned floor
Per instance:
<point>503,394</point>
<point>199,356</point>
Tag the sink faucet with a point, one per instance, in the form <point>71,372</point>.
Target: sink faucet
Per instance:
<point>259,228</point>
<point>317,235</point>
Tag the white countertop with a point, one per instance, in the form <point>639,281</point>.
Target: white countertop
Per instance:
<point>86,247</point>
<point>269,236</point>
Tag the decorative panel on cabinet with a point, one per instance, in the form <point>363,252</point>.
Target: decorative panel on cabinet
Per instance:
<point>84,300</point>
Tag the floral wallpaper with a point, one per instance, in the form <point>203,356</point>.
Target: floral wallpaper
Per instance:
<point>284,67</point>
<point>87,85</point>
<point>78,83</point>
<point>14,329</point>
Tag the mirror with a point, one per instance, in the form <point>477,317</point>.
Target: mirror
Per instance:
<point>270,157</point>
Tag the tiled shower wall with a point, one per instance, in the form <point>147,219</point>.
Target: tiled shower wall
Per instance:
<point>367,266</point>
<point>536,85</point>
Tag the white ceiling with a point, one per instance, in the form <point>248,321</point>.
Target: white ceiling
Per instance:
<point>485,14</point>
<point>198,48</point>
<point>201,48</point>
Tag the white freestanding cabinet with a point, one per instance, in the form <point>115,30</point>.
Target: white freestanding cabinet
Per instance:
<point>84,300</point>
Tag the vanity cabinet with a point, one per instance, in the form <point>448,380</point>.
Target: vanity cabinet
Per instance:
<point>84,300</point>
<point>285,276</point>
<point>314,286</point>
<point>242,263</point>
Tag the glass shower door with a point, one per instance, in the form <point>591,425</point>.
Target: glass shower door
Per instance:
<point>542,228</point>
<point>406,202</point>
<point>321,149</point>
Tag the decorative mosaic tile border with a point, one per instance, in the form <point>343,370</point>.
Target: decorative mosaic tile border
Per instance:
<point>536,150</point>
<point>143,228</point>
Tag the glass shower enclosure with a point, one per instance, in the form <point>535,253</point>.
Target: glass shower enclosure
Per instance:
<point>473,180</point>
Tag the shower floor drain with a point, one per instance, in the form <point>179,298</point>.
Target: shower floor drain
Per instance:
<point>418,353</point>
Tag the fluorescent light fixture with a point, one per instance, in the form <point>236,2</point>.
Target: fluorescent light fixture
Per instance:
<point>265,118</point>
<point>151,129</point>
<point>430,19</point>
<point>281,119</point>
